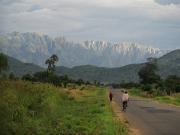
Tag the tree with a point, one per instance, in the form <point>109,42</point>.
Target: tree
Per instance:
<point>172,84</point>
<point>51,63</point>
<point>80,82</point>
<point>147,74</point>
<point>41,76</point>
<point>12,76</point>
<point>27,77</point>
<point>3,62</point>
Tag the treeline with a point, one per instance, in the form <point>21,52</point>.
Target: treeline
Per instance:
<point>54,79</point>
<point>47,76</point>
<point>151,83</point>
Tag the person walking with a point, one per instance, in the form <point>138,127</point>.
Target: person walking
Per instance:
<point>110,96</point>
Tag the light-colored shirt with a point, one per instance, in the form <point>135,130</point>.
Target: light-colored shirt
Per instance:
<point>125,97</point>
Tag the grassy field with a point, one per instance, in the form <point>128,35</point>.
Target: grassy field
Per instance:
<point>42,109</point>
<point>174,99</point>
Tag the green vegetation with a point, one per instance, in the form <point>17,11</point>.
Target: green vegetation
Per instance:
<point>3,62</point>
<point>173,99</point>
<point>168,64</point>
<point>147,73</point>
<point>19,68</point>
<point>51,63</point>
<point>135,92</point>
<point>151,85</point>
<point>43,109</point>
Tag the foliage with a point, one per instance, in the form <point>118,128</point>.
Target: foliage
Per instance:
<point>47,77</point>
<point>51,63</point>
<point>147,74</point>
<point>3,62</point>
<point>146,87</point>
<point>172,84</point>
<point>175,100</point>
<point>12,76</point>
<point>42,109</point>
<point>79,82</point>
<point>27,77</point>
<point>157,95</point>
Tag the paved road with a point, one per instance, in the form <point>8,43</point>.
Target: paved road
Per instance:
<point>149,117</point>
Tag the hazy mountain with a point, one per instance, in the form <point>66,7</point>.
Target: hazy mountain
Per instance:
<point>36,48</point>
<point>168,64</point>
<point>19,68</point>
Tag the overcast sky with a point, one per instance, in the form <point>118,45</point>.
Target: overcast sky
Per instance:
<point>150,22</point>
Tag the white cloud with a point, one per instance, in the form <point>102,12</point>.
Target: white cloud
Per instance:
<point>96,19</point>
<point>168,2</point>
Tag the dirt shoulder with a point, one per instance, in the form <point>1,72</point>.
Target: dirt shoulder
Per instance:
<point>122,118</point>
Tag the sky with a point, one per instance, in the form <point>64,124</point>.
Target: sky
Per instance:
<point>151,22</point>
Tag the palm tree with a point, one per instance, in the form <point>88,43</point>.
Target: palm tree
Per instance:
<point>54,57</point>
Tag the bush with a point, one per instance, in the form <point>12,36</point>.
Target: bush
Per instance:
<point>27,77</point>
<point>146,87</point>
<point>172,84</point>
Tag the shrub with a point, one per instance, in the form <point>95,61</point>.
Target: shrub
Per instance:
<point>147,87</point>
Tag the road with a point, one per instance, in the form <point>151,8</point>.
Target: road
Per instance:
<point>149,117</point>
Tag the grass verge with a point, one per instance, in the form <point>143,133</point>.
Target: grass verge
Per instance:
<point>42,109</point>
<point>174,99</point>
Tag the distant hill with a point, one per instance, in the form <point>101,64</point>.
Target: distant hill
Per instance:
<point>101,74</point>
<point>19,68</point>
<point>168,64</point>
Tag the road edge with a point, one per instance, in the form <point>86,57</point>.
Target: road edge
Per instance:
<point>122,118</point>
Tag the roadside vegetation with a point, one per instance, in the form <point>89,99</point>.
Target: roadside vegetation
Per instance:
<point>48,104</point>
<point>173,99</point>
<point>36,108</point>
<point>152,86</point>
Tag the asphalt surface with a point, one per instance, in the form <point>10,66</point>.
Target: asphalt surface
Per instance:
<point>149,117</point>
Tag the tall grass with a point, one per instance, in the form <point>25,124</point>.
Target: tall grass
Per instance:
<point>43,109</point>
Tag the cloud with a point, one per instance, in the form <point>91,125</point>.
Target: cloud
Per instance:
<point>111,20</point>
<point>168,2</point>
<point>34,8</point>
<point>8,2</point>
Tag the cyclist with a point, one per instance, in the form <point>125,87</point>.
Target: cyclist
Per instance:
<point>125,99</point>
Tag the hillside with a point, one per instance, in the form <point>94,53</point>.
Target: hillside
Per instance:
<point>19,68</point>
<point>106,75</point>
<point>168,64</point>
<point>36,48</point>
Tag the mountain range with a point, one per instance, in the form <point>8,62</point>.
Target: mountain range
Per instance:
<point>36,48</point>
<point>168,64</point>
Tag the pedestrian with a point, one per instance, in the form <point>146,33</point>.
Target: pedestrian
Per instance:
<point>110,96</point>
<point>125,99</point>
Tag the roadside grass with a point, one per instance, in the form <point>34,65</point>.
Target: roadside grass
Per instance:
<point>135,92</point>
<point>174,99</point>
<point>43,109</point>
